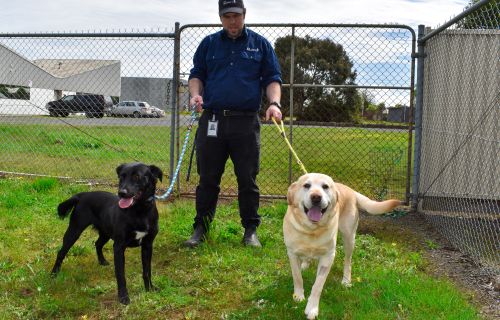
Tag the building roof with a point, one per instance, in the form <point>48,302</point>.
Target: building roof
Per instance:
<point>63,68</point>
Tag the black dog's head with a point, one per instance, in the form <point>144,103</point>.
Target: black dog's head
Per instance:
<point>137,182</point>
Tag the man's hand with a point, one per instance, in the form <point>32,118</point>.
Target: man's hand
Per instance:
<point>196,101</point>
<point>273,112</point>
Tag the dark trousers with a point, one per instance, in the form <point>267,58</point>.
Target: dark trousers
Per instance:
<point>238,138</point>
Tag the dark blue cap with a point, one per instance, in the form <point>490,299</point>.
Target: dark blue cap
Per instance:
<point>226,6</point>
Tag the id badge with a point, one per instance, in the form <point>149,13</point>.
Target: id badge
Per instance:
<point>212,128</point>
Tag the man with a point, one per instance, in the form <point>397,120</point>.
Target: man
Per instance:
<point>231,69</point>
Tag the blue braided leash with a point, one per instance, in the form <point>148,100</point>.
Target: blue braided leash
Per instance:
<point>164,196</point>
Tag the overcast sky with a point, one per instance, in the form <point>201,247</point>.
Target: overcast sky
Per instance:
<point>147,15</point>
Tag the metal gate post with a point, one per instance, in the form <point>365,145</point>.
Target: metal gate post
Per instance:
<point>292,75</point>
<point>418,118</point>
<point>175,108</point>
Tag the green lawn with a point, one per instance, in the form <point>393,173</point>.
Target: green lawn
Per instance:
<point>219,280</point>
<point>373,161</point>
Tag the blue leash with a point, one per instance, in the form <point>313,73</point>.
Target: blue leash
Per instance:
<point>164,196</point>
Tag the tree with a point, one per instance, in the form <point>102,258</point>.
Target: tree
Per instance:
<point>487,17</point>
<point>319,61</point>
<point>367,101</point>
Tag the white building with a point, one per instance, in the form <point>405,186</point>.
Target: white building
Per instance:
<point>49,78</point>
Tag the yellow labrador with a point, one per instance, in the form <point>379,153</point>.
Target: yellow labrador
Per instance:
<point>317,209</point>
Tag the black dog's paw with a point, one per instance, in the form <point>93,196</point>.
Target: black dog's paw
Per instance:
<point>124,300</point>
<point>104,263</point>
<point>54,272</point>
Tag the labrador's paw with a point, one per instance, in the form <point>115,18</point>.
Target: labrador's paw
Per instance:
<point>312,308</point>
<point>346,283</point>
<point>312,313</point>
<point>298,297</point>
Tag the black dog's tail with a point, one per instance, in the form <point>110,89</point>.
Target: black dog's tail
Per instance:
<point>64,208</point>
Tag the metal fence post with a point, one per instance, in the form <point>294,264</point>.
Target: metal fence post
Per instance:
<point>292,75</point>
<point>175,90</point>
<point>418,117</point>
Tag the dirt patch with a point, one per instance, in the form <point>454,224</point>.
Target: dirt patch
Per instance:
<point>444,259</point>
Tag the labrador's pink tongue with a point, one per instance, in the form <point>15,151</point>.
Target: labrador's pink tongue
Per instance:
<point>125,202</point>
<point>314,214</point>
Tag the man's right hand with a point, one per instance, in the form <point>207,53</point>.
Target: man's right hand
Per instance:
<point>196,101</point>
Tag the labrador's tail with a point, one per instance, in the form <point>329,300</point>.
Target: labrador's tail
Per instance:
<point>376,207</point>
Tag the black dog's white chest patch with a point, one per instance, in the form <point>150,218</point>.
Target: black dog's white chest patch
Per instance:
<point>139,235</point>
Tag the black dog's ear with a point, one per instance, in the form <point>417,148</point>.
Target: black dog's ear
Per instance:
<point>156,172</point>
<point>120,168</point>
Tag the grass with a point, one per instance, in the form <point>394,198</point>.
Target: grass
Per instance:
<point>219,280</point>
<point>372,161</point>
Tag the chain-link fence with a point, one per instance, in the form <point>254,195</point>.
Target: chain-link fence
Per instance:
<point>347,84</point>
<point>77,105</point>
<point>459,167</point>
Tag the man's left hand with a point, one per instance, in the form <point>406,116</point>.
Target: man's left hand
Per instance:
<point>273,112</point>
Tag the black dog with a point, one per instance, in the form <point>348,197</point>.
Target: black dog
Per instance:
<point>130,219</point>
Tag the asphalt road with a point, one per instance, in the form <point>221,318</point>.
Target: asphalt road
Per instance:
<point>84,121</point>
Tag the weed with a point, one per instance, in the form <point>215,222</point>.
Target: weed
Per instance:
<point>431,244</point>
<point>44,184</point>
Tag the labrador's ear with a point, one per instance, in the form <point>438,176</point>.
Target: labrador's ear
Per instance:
<point>120,168</point>
<point>292,189</point>
<point>157,173</point>
<point>337,197</point>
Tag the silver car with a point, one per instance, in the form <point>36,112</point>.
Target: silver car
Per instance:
<point>157,112</point>
<point>136,109</point>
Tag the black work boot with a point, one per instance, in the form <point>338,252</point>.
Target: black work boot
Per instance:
<point>199,235</point>
<point>250,238</point>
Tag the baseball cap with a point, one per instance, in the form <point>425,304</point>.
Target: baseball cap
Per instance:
<point>235,6</point>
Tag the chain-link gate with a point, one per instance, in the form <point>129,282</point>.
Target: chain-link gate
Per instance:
<point>346,81</point>
<point>77,105</point>
<point>458,119</point>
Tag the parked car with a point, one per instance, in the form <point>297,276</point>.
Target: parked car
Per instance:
<point>157,112</point>
<point>93,105</point>
<point>136,109</point>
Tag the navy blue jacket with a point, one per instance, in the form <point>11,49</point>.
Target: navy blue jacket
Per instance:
<point>235,72</point>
